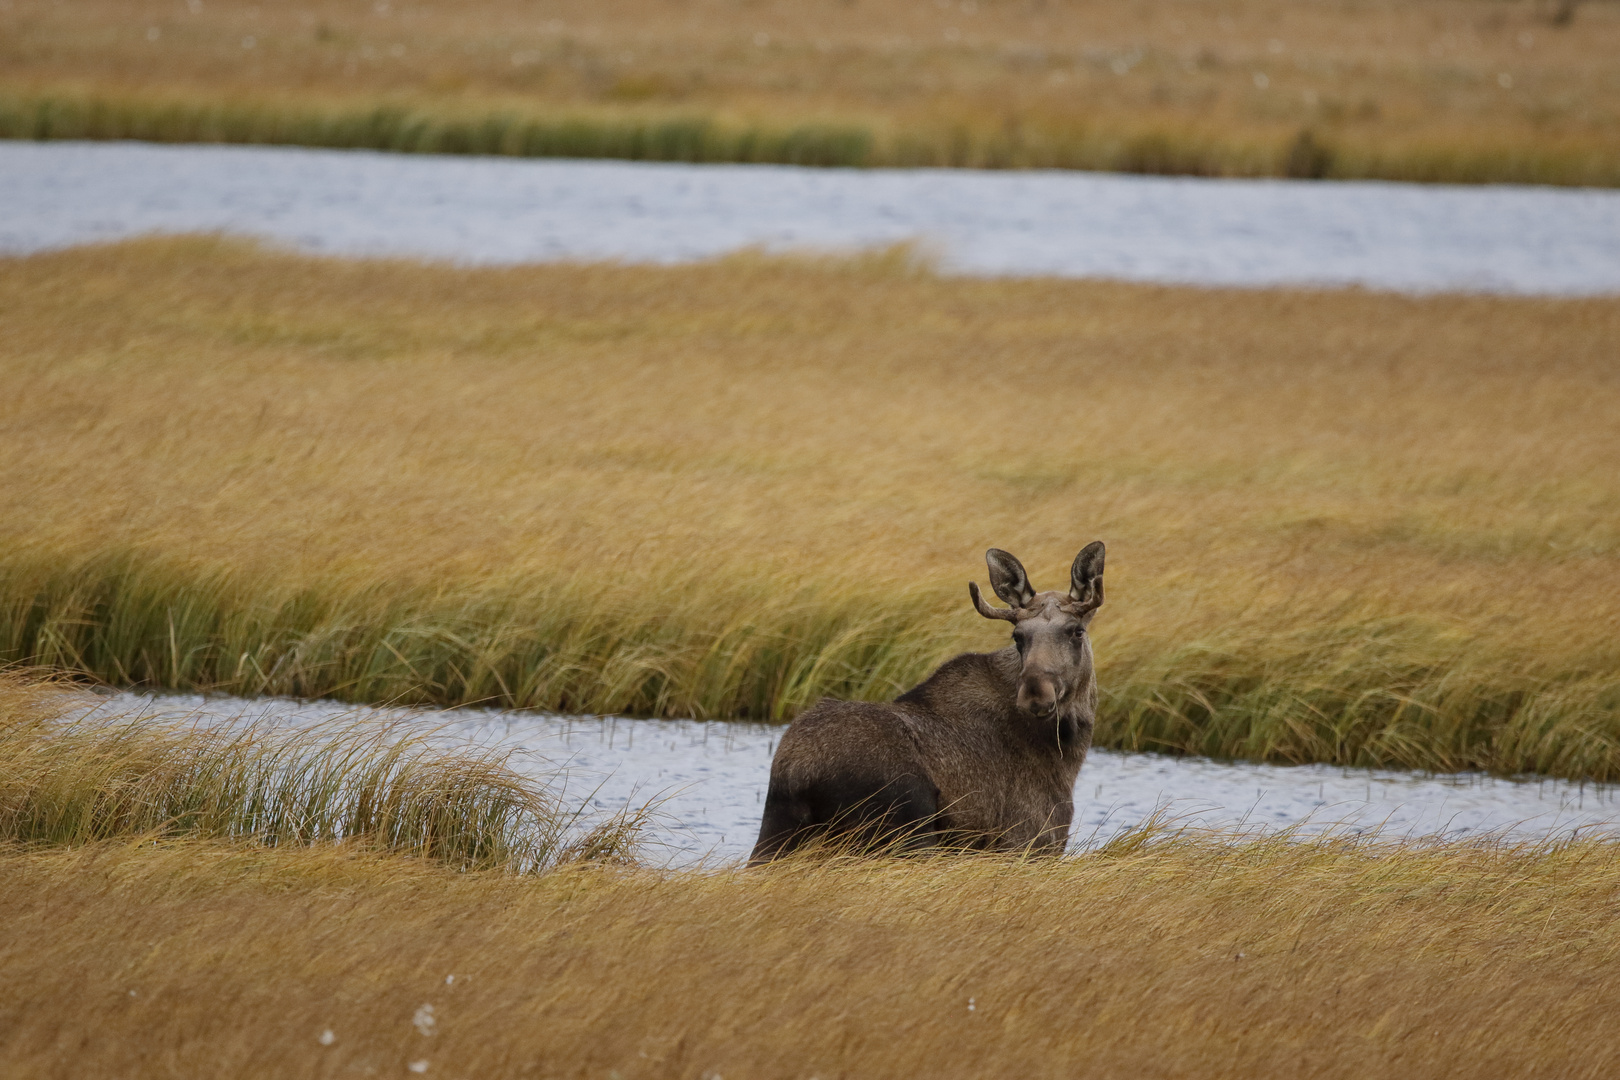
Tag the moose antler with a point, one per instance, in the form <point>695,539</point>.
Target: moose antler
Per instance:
<point>985,609</point>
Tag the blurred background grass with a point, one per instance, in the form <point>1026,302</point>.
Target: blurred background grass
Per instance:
<point>1435,90</point>
<point>1343,526</point>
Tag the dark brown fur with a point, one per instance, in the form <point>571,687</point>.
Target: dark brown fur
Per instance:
<point>983,754</point>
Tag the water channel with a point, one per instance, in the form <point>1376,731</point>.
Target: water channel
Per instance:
<point>708,778</point>
<point>1408,237</point>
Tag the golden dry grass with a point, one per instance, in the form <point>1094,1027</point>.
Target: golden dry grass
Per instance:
<point>1185,958</point>
<point>1342,526</point>
<point>1436,89</point>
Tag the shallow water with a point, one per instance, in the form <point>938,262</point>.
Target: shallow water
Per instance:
<point>709,779</point>
<point>498,210</point>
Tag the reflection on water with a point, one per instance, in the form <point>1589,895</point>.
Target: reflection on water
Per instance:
<point>709,779</point>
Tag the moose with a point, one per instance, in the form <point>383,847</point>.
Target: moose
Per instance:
<point>983,754</point>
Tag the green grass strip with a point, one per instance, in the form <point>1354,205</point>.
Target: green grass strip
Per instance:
<point>690,137</point>
<point>408,130</point>
<point>1398,693</point>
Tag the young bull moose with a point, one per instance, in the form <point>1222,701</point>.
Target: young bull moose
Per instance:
<point>982,754</point>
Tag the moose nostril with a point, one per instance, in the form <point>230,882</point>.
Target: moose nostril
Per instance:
<point>1037,697</point>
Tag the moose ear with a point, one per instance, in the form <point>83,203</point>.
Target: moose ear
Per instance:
<point>1085,579</point>
<point>1008,579</point>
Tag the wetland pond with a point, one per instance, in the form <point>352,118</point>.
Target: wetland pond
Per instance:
<point>1405,237</point>
<point>708,779</point>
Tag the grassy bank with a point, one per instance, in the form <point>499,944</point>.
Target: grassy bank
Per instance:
<point>1342,526</point>
<point>1307,152</point>
<point>1178,958</point>
<point>533,640</point>
<point>1438,90</point>
<point>428,130</point>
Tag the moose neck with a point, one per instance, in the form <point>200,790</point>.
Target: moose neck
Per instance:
<point>985,685</point>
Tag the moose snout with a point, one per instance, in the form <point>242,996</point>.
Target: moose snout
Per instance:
<point>1038,695</point>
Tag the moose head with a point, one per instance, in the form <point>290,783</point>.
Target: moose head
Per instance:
<point>1049,629</point>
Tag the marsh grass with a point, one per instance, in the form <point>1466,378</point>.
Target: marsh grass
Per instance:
<point>1394,693</point>
<point>1438,90</point>
<point>688,136</point>
<point>1387,693</point>
<point>1163,954</point>
<point>602,134</point>
<point>1342,526</point>
<point>567,646</point>
<point>71,774</point>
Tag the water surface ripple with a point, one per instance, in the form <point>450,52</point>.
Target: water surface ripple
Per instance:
<point>1407,237</point>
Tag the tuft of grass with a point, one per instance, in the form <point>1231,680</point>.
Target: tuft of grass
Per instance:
<point>1342,526</point>
<point>68,777</point>
<point>1168,955</point>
